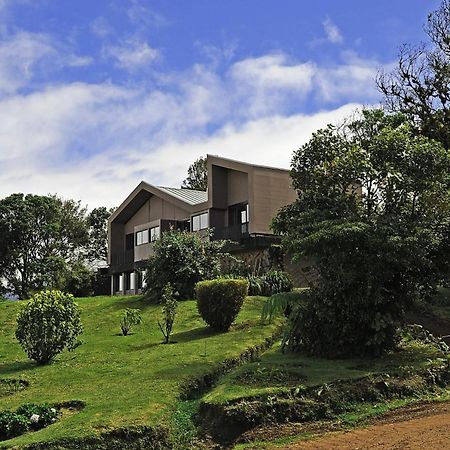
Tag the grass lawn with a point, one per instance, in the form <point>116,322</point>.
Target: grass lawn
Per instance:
<point>277,372</point>
<point>124,381</point>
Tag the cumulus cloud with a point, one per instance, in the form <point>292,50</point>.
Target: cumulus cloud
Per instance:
<point>132,54</point>
<point>19,56</point>
<point>332,31</point>
<point>95,142</point>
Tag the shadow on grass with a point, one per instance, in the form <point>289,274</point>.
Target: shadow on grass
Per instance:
<point>194,334</point>
<point>17,366</point>
<point>145,346</point>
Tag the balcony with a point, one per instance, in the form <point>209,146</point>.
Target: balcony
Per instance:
<point>233,233</point>
<point>121,262</point>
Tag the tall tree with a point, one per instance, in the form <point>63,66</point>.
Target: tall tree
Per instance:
<point>419,87</point>
<point>98,234</point>
<point>373,211</point>
<point>41,236</point>
<point>197,176</point>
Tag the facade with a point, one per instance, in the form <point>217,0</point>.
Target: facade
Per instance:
<point>239,205</point>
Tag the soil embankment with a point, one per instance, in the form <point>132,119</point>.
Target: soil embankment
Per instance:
<point>421,427</point>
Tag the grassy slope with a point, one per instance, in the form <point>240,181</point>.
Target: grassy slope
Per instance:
<point>276,372</point>
<point>131,380</point>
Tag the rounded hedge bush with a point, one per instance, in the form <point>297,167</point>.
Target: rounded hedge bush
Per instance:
<point>219,301</point>
<point>47,324</point>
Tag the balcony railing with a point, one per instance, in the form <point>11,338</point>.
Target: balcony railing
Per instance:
<point>233,233</point>
<point>118,259</point>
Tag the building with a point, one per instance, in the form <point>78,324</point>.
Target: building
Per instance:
<point>239,205</point>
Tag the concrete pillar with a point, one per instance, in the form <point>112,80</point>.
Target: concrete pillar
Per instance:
<point>133,281</point>
<point>112,284</point>
<point>121,280</point>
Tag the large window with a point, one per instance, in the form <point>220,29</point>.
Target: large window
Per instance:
<point>142,237</point>
<point>149,235</point>
<point>200,222</point>
<point>155,232</point>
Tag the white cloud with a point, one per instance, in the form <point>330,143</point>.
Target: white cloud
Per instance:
<point>95,142</point>
<point>332,31</point>
<point>132,54</point>
<point>19,56</point>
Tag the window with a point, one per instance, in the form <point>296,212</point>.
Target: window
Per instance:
<point>200,222</point>
<point>244,214</point>
<point>155,233</point>
<point>142,237</point>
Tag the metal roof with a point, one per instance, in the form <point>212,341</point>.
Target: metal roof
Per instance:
<point>190,196</point>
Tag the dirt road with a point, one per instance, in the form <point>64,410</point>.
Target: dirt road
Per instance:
<point>424,427</point>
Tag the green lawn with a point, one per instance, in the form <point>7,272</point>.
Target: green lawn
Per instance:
<point>124,381</point>
<point>277,372</point>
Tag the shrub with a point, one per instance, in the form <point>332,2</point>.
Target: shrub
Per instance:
<point>282,303</point>
<point>272,282</point>
<point>130,318</point>
<point>181,259</point>
<point>39,416</point>
<point>256,285</point>
<point>79,280</point>
<point>47,324</point>
<point>169,311</point>
<point>12,425</point>
<point>276,281</point>
<point>219,301</point>
<point>27,417</point>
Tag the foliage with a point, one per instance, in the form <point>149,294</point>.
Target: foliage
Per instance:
<point>47,324</point>
<point>276,281</point>
<point>130,318</point>
<point>12,424</point>
<point>28,416</point>
<point>44,414</point>
<point>282,303</point>
<point>79,280</point>
<point>97,221</point>
<point>40,237</point>
<point>197,176</point>
<point>169,312</point>
<point>270,283</point>
<point>373,211</point>
<point>181,259</point>
<point>419,86</point>
<point>219,301</point>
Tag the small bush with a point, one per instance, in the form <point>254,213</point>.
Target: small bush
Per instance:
<point>277,281</point>
<point>219,301</point>
<point>256,285</point>
<point>130,318</point>
<point>282,303</point>
<point>39,416</point>
<point>27,417</point>
<point>273,282</point>
<point>47,324</point>
<point>169,311</point>
<point>12,425</point>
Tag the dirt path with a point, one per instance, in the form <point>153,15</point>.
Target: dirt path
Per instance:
<point>424,427</point>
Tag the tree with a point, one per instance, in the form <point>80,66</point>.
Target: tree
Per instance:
<point>47,324</point>
<point>373,211</point>
<point>98,233</point>
<point>420,85</point>
<point>181,259</point>
<point>169,312</point>
<point>197,176</point>
<point>41,236</point>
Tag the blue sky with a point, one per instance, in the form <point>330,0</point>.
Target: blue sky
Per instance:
<point>97,95</point>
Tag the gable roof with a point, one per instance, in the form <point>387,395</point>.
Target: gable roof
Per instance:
<point>191,196</point>
<point>184,198</point>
